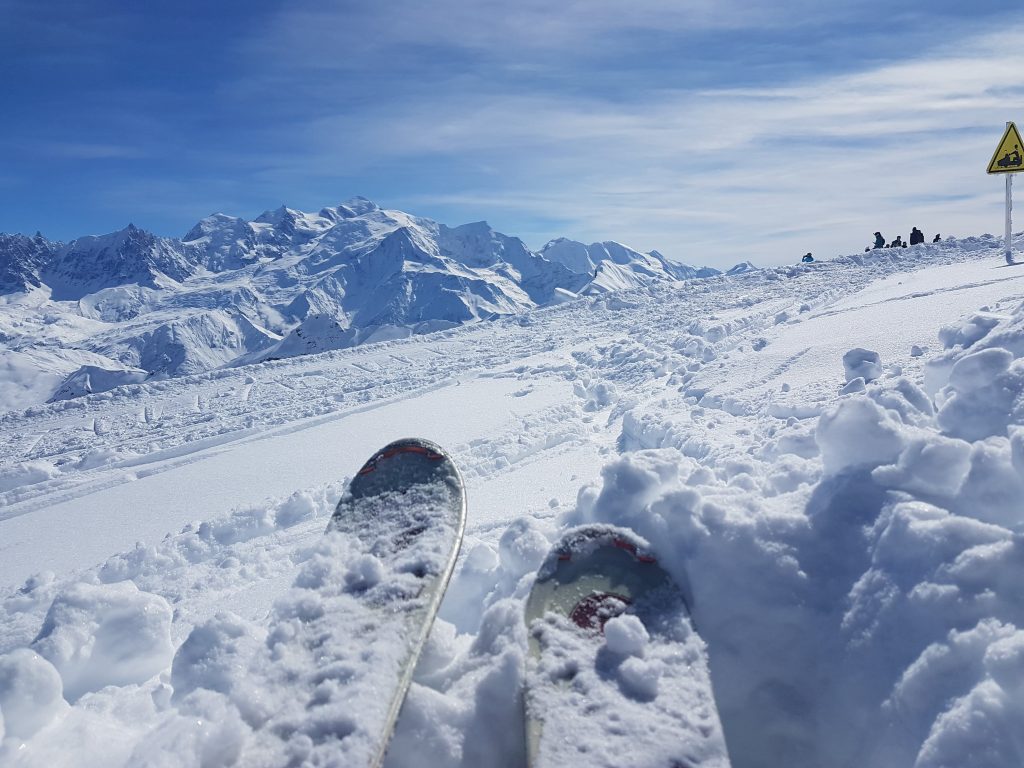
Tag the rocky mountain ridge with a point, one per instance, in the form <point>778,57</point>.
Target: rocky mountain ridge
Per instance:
<point>99,311</point>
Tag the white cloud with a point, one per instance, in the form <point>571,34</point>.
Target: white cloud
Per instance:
<point>323,37</point>
<point>714,175</point>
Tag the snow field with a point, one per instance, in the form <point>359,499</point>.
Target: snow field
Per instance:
<point>854,558</point>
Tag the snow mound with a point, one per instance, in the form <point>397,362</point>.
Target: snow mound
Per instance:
<point>898,579</point>
<point>26,473</point>
<point>110,634</point>
<point>31,695</point>
<point>214,657</point>
<point>858,432</point>
<point>90,378</point>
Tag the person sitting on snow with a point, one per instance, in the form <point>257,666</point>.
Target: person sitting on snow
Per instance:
<point>936,238</point>
<point>897,243</point>
<point>916,236</point>
<point>807,259</point>
<point>879,240</point>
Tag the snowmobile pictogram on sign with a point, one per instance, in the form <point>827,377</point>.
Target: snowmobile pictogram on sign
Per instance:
<point>1007,157</point>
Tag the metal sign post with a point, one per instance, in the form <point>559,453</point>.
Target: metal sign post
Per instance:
<point>1008,250</point>
<point>1008,160</point>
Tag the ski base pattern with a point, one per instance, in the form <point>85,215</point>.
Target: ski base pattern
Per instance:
<point>345,640</point>
<point>616,674</point>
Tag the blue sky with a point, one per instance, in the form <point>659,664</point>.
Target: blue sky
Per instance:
<point>712,130</point>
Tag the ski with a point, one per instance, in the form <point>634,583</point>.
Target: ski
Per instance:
<point>616,674</point>
<point>345,640</point>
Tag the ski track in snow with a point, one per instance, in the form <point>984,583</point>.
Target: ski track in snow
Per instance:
<point>732,372</point>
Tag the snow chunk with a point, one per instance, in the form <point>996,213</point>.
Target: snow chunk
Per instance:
<point>993,488</point>
<point>640,678</point>
<point>31,694</point>
<point>102,457</point>
<point>366,572</point>
<point>862,363</point>
<point>110,634</point>
<point>977,369</point>
<point>209,732</point>
<point>983,393</point>
<point>970,331</point>
<point>934,465</point>
<point>26,473</point>
<point>213,656</point>
<point>853,386</point>
<point>626,635</point>
<point>298,507</point>
<point>858,432</point>
<point>1004,662</point>
<point>522,547</point>
<point>974,725</point>
<point>907,400</point>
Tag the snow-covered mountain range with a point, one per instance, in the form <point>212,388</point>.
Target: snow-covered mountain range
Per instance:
<point>99,312</point>
<point>828,457</point>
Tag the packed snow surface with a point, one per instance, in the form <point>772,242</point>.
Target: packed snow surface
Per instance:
<point>831,456</point>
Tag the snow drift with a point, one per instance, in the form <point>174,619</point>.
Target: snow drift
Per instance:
<point>841,497</point>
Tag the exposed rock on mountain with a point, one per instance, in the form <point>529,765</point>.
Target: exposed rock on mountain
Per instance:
<point>89,264</point>
<point>21,259</point>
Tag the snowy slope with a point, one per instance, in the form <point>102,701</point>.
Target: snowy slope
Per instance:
<point>850,525</point>
<point>286,283</point>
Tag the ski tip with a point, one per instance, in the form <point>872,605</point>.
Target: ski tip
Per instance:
<point>582,541</point>
<point>397,468</point>
<point>406,446</point>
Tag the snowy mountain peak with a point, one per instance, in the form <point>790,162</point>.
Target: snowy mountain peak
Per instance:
<point>636,268</point>
<point>213,224</point>
<point>477,244</point>
<point>130,255</point>
<point>358,206</point>
<point>278,216</point>
<point>221,242</point>
<point>290,282</point>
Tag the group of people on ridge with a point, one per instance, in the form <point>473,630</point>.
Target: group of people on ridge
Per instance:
<point>916,237</point>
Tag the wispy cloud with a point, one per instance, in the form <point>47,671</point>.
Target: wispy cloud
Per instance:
<point>323,37</point>
<point>87,151</point>
<point>712,130</point>
<point>712,174</point>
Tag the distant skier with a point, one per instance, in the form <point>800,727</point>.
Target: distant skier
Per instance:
<point>879,240</point>
<point>807,259</point>
<point>936,238</point>
<point>916,236</point>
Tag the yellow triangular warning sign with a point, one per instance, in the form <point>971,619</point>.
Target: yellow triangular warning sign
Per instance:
<point>1008,157</point>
